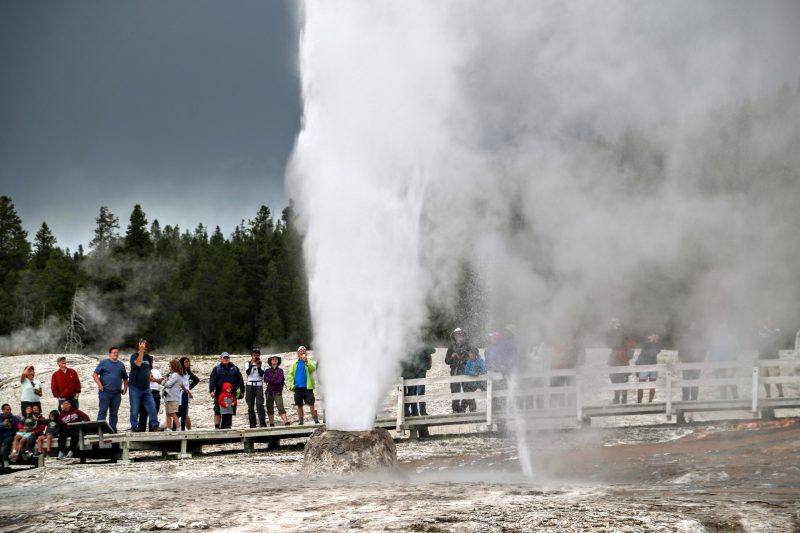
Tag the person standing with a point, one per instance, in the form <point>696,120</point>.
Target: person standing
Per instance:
<point>155,390</point>
<point>301,381</point>
<point>190,381</point>
<point>31,389</point>
<point>276,381</point>
<point>456,357</point>
<point>173,388</point>
<point>65,384</point>
<point>416,366</point>
<point>648,355</point>
<point>139,386</point>
<point>112,382</point>
<point>254,390</point>
<point>622,346</point>
<point>224,372</point>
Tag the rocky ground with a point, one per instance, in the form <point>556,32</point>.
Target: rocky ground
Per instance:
<point>731,477</point>
<point>712,477</point>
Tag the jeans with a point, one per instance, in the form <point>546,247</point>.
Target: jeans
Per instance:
<point>143,413</point>
<point>254,396</point>
<point>5,446</point>
<point>142,398</point>
<point>109,403</point>
<point>183,411</point>
<point>62,441</point>
<point>411,408</point>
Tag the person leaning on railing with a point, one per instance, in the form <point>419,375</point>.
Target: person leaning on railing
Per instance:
<point>475,366</point>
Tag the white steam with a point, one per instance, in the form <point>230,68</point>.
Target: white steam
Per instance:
<point>439,133</point>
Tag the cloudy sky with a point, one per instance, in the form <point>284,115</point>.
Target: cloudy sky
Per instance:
<point>189,107</point>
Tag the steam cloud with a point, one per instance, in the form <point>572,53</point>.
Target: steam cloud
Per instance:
<point>438,133</point>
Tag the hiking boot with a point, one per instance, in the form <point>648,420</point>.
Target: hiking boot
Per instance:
<point>301,422</point>
<point>316,420</point>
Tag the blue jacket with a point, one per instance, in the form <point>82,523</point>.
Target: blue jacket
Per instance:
<point>8,430</point>
<point>475,368</point>
<point>222,374</point>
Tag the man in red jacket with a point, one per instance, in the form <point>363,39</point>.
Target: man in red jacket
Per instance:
<point>65,384</point>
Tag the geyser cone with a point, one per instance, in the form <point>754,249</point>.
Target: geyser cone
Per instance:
<point>333,451</point>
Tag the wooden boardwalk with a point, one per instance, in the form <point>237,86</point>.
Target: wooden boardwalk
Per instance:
<point>576,396</point>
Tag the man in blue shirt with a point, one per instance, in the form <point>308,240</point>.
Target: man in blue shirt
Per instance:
<point>112,382</point>
<point>139,387</point>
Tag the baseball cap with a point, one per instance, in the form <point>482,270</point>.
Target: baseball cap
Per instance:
<point>224,355</point>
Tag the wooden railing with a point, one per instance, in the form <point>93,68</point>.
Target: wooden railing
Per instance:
<point>585,393</point>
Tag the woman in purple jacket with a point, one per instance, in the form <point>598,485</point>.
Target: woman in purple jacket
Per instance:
<point>275,380</point>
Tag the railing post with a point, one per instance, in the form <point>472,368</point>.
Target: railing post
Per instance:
<point>489,393</point>
<point>754,406</point>
<point>401,411</point>
<point>578,397</point>
<point>669,394</point>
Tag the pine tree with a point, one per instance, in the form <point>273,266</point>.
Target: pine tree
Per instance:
<point>43,246</point>
<point>106,233</point>
<point>14,253</point>
<point>137,238</point>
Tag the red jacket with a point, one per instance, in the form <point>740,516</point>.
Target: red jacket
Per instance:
<point>65,385</point>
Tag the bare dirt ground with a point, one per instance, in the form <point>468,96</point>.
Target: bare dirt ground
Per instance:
<point>731,477</point>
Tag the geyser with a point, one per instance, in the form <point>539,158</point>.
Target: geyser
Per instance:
<point>333,451</point>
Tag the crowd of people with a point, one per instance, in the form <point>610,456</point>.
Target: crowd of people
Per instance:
<point>29,433</point>
<point>503,355</point>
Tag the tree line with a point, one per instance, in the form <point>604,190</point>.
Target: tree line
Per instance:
<point>199,291</point>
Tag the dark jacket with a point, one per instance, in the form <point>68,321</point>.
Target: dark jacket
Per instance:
<point>649,354</point>
<point>622,347</point>
<point>456,357</point>
<point>70,417</point>
<point>222,374</point>
<point>10,429</point>
<point>193,379</point>
<point>417,364</point>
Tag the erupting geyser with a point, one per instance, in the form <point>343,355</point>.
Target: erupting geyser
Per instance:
<point>332,451</point>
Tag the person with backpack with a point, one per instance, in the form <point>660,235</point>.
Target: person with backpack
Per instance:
<point>254,389</point>
<point>224,372</point>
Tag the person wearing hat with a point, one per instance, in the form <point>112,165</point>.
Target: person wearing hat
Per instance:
<point>224,372</point>
<point>276,381</point>
<point>456,357</point>
<point>254,390</point>
<point>301,381</point>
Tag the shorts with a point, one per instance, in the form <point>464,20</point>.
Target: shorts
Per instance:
<point>24,434</point>
<point>770,371</point>
<point>303,396</point>
<point>648,376</point>
<point>171,407</point>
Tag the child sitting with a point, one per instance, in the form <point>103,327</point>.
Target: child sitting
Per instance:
<point>50,432</point>
<point>26,427</point>
<point>227,401</point>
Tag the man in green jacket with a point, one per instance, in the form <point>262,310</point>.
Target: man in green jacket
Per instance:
<point>301,381</point>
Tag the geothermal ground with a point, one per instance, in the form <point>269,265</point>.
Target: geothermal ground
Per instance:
<point>724,476</point>
<point>732,477</point>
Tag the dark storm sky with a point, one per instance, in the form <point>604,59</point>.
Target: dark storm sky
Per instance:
<point>189,107</point>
